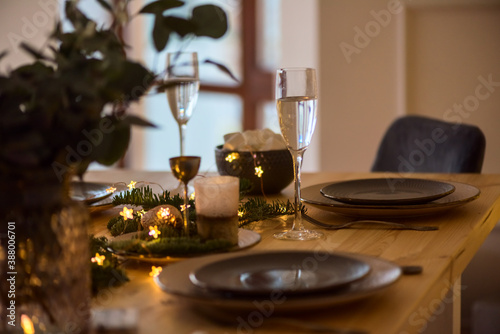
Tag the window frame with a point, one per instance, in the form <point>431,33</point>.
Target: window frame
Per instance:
<point>256,85</point>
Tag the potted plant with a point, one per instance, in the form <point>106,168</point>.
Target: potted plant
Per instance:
<point>58,114</point>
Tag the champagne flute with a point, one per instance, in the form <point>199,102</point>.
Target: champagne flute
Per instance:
<point>296,99</point>
<point>184,169</point>
<point>182,86</point>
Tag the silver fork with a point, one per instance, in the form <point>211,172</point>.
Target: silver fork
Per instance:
<point>398,226</point>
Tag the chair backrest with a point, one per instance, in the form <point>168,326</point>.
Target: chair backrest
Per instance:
<point>425,145</point>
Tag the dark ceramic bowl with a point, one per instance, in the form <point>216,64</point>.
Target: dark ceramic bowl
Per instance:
<point>277,168</point>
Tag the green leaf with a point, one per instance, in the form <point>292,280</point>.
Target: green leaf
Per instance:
<point>114,144</point>
<point>35,71</point>
<point>82,167</point>
<point>161,33</point>
<point>162,86</point>
<point>160,6</point>
<point>57,32</point>
<point>131,81</point>
<point>104,41</point>
<point>75,16</point>
<point>181,26</point>
<point>36,54</point>
<point>3,54</point>
<point>222,68</point>
<point>136,120</point>
<point>211,21</point>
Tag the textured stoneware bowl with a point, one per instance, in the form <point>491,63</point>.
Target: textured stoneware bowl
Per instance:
<point>276,166</point>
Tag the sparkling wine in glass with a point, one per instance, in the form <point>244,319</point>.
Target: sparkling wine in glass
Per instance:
<point>296,99</point>
<point>182,85</point>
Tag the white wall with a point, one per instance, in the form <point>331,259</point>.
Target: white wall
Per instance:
<point>358,85</point>
<point>422,58</point>
<point>447,70</point>
<point>299,48</point>
<point>30,21</point>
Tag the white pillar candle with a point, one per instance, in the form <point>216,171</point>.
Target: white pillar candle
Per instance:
<point>217,200</point>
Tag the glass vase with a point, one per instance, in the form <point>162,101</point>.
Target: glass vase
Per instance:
<point>44,256</point>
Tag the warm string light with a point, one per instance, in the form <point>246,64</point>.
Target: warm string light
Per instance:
<point>183,207</point>
<point>27,324</point>
<point>232,156</point>
<point>111,190</point>
<point>163,213</point>
<point>127,213</point>
<point>155,271</point>
<point>99,259</point>
<point>131,185</point>
<point>259,171</point>
<point>240,213</point>
<point>192,196</point>
<point>153,231</point>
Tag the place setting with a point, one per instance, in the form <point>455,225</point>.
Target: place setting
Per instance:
<point>96,196</point>
<point>291,280</point>
<point>380,198</point>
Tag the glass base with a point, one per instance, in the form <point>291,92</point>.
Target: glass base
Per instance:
<point>298,235</point>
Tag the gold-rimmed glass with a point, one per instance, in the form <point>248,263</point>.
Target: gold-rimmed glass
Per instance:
<point>185,168</point>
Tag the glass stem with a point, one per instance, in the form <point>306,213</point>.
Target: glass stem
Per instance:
<point>297,165</point>
<point>186,210</point>
<point>182,136</point>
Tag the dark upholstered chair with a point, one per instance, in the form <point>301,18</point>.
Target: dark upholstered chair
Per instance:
<point>419,144</point>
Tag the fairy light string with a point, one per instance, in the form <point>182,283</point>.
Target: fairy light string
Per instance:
<point>142,198</point>
<point>258,170</point>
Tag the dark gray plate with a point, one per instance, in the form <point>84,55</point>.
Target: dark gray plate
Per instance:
<point>174,279</point>
<point>387,191</point>
<point>89,192</point>
<point>290,272</point>
<point>463,194</point>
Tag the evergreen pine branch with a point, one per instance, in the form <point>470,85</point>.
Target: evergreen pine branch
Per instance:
<point>103,275</point>
<point>147,199</point>
<point>171,242</point>
<point>256,208</point>
<point>118,225</point>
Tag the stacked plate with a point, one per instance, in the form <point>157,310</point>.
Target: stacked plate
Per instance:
<point>89,192</point>
<point>96,195</point>
<point>286,280</point>
<point>389,197</point>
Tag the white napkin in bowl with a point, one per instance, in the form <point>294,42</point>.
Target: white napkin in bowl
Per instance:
<point>254,140</point>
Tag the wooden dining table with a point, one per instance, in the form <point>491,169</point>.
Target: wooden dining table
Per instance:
<point>427,302</point>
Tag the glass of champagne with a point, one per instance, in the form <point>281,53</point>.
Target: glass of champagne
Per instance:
<point>182,84</point>
<point>184,169</point>
<point>296,99</point>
